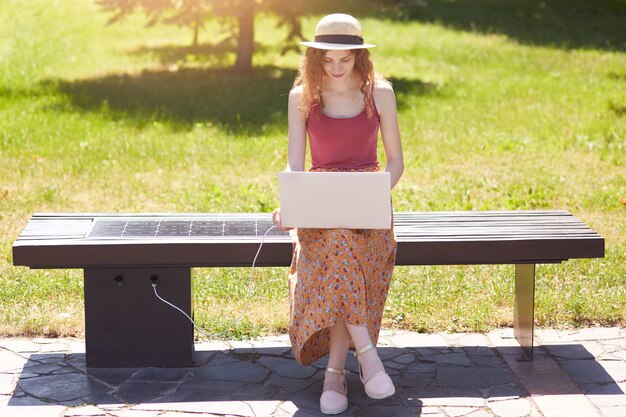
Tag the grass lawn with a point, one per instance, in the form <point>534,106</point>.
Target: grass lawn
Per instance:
<point>522,107</point>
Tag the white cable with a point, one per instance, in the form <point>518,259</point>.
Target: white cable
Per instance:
<point>154,285</point>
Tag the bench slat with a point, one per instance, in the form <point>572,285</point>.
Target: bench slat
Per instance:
<point>424,238</point>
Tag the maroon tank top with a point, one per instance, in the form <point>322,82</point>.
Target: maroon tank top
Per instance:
<point>343,142</point>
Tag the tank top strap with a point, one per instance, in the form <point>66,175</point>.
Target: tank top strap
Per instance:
<point>374,108</point>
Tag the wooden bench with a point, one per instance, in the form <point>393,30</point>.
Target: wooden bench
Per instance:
<point>126,326</point>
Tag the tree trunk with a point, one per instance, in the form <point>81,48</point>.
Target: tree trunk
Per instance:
<point>245,41</point>
<point>196,27</point>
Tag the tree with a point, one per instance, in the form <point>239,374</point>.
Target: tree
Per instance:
<point>238,14</point>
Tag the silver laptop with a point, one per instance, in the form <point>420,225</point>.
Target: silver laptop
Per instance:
<point>351,200</point>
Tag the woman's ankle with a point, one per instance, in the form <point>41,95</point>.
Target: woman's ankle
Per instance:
<point>370,363</point>
<point>334,382</point>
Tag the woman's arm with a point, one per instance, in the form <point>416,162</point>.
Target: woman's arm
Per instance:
<point>388,113</point>
<point>297,143</point>
<point>296,133</point>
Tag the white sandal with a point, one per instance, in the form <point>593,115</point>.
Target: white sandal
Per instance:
<point>383,380</point>
<point>334,402</point>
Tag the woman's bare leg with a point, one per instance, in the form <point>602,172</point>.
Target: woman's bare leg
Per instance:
<point>339,345</point>
<point>372,367</point>
<point>370,362</point>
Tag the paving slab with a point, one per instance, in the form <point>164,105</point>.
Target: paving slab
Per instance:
<point>7,383</point>
<point>11,362</point>
<point>238,371</point>
<point>194,390</point>
<point>480,413</point>
<point>289,385</point>
<point>160,375</point>
<point>574,373</point>
<point>518,407</point>
<point>61,389</point>
<point>134,413</point>
<point>287,367</point>
<point>404,359</point>
<point>432,412</point>
<point>606,395</point>
<point>473,339</point>
<point>32,411</point>
<point>141,391</point>
<point>613,411</point>
<point>237,408</point>
<point>87,411</point>
<point>462,377</point>
<point>505,392</point>
<point>571,351</point>
<point>460,411</point>
<point>449,359</point>
<point>112,377</point>
<point>565,405</point>
<point>447,397</point>
<point>420,367</point>
<point>591,371</point>
<point>382,411</point>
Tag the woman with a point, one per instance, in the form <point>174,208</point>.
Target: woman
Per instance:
<point>339,278</point>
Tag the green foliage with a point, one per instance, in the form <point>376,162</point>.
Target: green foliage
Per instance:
<point>235,15</point>
<point>560,23</point>
<point>495,113</point>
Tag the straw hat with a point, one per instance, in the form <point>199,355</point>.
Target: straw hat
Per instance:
<point>337,32</point>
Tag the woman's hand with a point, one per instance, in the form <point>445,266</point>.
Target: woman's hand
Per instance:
<point>277,221</point>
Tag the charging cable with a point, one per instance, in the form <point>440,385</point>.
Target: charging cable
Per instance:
<point>154,285</point>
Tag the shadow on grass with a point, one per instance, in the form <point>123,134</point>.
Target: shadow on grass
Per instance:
<point>238,103</point>
<point>184,97</point>
<point>220,54</point>
<point>565,24</point>
<point>216,54</point>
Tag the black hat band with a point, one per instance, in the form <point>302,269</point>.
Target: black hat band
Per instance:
<point>341,39</point>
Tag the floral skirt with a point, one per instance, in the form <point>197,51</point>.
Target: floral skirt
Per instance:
<point>337,275</point>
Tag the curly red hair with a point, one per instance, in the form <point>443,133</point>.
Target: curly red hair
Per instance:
<point>311,77</point>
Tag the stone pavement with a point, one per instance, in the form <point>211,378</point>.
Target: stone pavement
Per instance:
<point>574,373</point>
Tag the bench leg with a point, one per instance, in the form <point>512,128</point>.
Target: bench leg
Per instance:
<point>126,326</point>
<point>525,308</point>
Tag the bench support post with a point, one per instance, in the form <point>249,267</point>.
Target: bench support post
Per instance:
<point>127,326</point>
<point>525,308</point>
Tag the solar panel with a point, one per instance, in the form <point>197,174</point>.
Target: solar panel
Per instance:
<point>130,228</point>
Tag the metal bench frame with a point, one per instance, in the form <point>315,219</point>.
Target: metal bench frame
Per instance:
<point>125,326</point>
